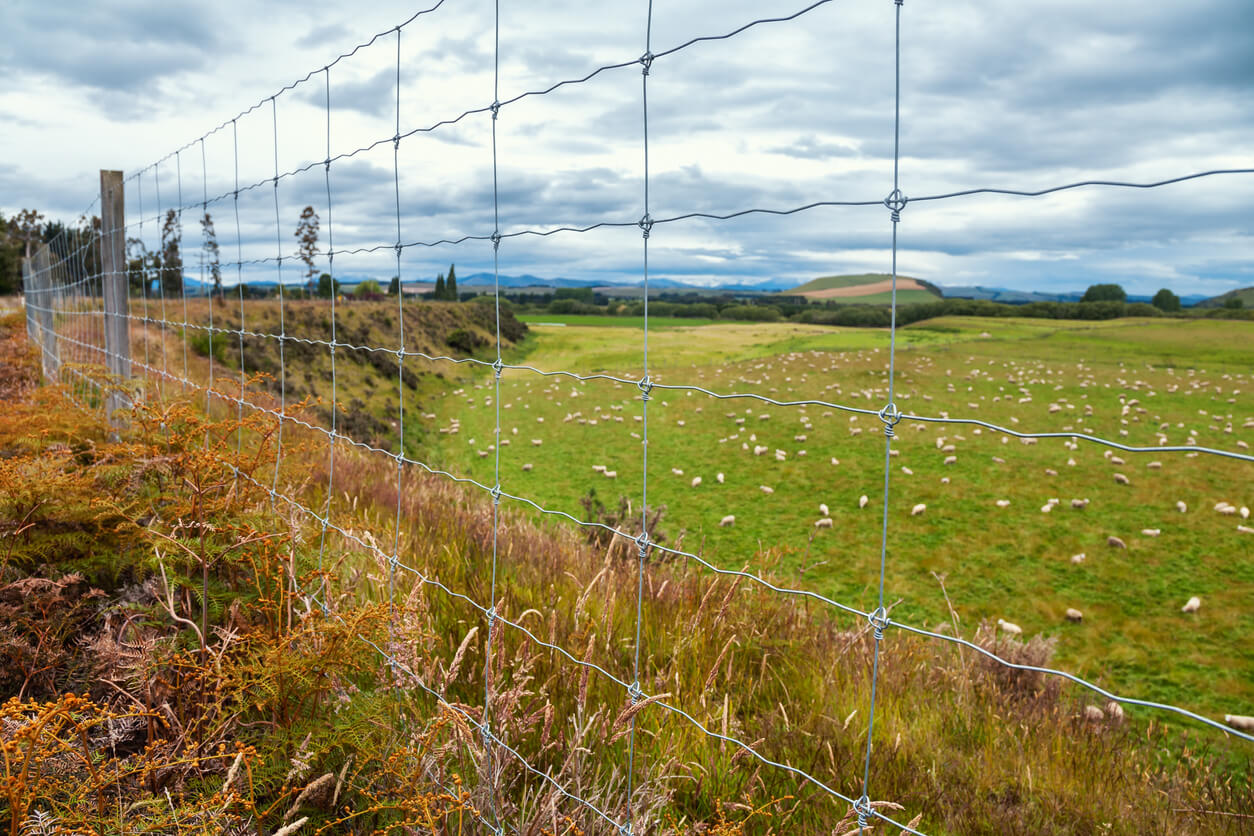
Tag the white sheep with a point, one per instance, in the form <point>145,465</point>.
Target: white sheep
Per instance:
<point>536,442</point>
<point>527,466</point>
<point>598,468</point>
<point>1077,559</point>
<point>696,480</point>
<point>825,522</point>
<point>1239,722</point>
<point>1074,615</point>
<point>1151,532</point>
<point>611,474</point>
<point>1181,507</point>
<point>1154,465</point>
<point>1115,710</point>
<point>766,489</point>
<point>823,509</point>
<point>918,509</point>
<point>1093,714</point>
<point>862,501</point>
<point>1115,542</point>
<point>951,459</point>
<point>1121,479</point>
<point>677,471</point>
<point>1008,627</point>
<point>727,521</point>
<point>758,449</point>
<point>1192,605</point>
<point>719,478</point>
<point>1079,504</point>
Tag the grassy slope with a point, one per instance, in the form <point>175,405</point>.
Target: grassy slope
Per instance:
<point>1011,562</point>
<point>828,282</point>
<point>1245,294</point>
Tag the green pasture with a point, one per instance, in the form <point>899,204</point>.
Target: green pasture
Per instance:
<point>1124,379</point>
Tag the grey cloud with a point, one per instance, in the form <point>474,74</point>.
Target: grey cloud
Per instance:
<point>373,96</point>
<point>321,36</point>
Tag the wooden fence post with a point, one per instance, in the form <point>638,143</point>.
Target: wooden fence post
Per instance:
<point>41,276</point>
<point>117,323</point>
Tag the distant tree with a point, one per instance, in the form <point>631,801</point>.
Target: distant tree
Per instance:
<point>439,288</point>
<point>211,253</point>
<point>1104,293</point>
<point>1166,301</point>
<point>1234,303</point>
<point>171,270</point>
<point>450,285</point>
<point>327,286</point>
<point>394,286</point>
<point>139,265</point>
<point>27,229</point>
<point>368,289</point>
<point>307,239</point>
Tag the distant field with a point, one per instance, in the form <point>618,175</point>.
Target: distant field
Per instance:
<point>613,321</point>
<point>905,296</point>
<point>1185,379</point>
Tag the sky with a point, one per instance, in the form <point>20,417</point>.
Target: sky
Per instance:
<point>192,101</point>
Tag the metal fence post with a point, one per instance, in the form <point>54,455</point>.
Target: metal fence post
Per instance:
<point>117,323</point>
<point>41,278</point>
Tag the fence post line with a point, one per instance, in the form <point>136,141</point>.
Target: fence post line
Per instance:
<point>41,276</point>
<point>32,329</point>
<point>117,323</point>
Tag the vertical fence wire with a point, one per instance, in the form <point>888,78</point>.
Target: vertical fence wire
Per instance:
<point>278,268</point>
<point>331,439</point>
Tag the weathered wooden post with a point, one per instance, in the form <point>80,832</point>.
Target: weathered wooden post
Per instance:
<point>28,298</point>
<point>117,323</point>
<point>41,276</point>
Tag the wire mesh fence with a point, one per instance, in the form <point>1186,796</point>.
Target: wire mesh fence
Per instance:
<point>109,300</point>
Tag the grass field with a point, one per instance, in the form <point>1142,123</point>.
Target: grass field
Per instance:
<point>1126,379</point>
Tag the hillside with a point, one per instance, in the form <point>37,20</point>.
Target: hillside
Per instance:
<point>1245,294</point>
<point>867,288</point>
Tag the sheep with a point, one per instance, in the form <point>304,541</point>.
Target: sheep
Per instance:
<point>862,501</point>
<point>1047,507</point>
<point>907,470</point>
<point>719,478</point>
<point>1002,503</point>
<point>1009,627</point>
<point>758,449</point>
<point>536,442</point>
<point>1093,714</point>
<point>727,521</point>
<point>780,455</point>
<point>527,466</point>
<point>1116,460</point>
<point>918,509</point>
<point>598,468</point>
<point>1225,508</point>
<point>677,471</point>
<point>1115,542</point>
<point>1192,605</point>
<point>1049,471</point>
<point>1079,504</point>
<point>766,489</point>
<point>1121,479</point>
<point>951,459</point>
<point>1073,615</point>
<point>1077,559</point>
<point>1151,532</point>
<point>1245,512</point>
<point>611,474</point>
<point>825,522</point>
<point>1115,710</point>
<point>1181,507</point>
<point>835,461</point>
<point>823,509</point>
<point>1239,722</point>
<point>1245,529</point>
<point>696,481</point>
<point>1154,465</point>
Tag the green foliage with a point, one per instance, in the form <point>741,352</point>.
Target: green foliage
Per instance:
<point>450,285</point>
<point>750,313</point>
<point>327,286</point>
<point>465,341</point>
<point>394,286</point>
<point>1234,303</point>
<point>369,289</point>
<point>1104,293</point>
<point>1166,301</point>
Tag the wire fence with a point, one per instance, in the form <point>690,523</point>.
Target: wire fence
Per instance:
<point>69,286</point>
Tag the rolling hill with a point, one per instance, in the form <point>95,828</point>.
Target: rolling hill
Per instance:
<point>867,288</point>
<point>1245,294</point>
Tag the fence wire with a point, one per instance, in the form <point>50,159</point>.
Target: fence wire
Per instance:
<point>66,315</point>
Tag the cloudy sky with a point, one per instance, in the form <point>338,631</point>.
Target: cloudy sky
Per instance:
<point>1023,95</point>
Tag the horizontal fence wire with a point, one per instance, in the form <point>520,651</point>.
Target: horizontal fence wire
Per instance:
<point>67,319</point>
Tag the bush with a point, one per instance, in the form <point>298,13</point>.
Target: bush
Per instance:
<point>465,341</point>
<point>751,313</point>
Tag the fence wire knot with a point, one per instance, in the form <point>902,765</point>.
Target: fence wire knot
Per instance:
<point>496,495</point>
<point>490,612</point>
<point>863,808</point>
<point>633,691</point>
<point>891,416</point>
<point>496,368</point>
<point>495,238</point>
<point>396,142</point>
<point>645,385</point>
<point>496,110</point>
<point>643,543</point>
<point>878,620</point>
<point>327,163</point>
<point>486,732</point>
<point>645,224</point>
<point>625,829</point>
<point>896,201</point>
<point>646,61</point>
